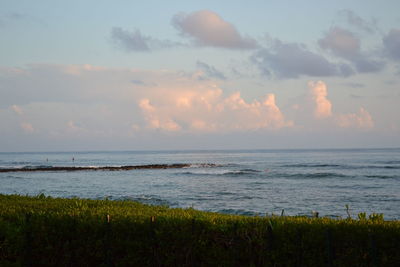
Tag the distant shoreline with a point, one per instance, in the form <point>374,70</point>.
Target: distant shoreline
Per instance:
<point>301,149</point>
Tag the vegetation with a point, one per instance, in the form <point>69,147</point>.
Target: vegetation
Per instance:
<point>44,231</point>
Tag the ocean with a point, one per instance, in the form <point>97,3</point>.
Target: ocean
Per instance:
<point>249,182</point>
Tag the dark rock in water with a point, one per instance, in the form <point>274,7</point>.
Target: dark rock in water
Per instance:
<point>103,168</point>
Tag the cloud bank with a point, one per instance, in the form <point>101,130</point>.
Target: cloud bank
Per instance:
<point>85,99</point>
<point>84,102</point>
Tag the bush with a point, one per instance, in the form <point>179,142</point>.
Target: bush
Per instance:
<point>44,231</point>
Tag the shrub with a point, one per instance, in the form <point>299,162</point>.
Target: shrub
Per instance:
<point>44,231</point>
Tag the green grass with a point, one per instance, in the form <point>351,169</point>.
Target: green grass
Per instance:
<point>44,231</point>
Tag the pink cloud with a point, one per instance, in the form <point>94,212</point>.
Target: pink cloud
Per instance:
<point>362,119</point>
<point>323,110</point>
<point>157,119</point>
<point>207,110</point>
<point>27,127</point>
<point>209,29</point>
<point>17,109</point>
<point>319,93</point>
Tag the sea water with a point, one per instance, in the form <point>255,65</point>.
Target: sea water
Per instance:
<point>250,182</point>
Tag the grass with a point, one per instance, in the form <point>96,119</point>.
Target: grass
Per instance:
<point>45,231</point>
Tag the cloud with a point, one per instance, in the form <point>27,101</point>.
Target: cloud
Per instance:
<point>319,93</point>
<point>354,84</point>
<point>360,23</point>
<point>130,41</point>
<point>75,128</point>
<point>16,17</point>
<point>17,109</point>
<point>155,119</point>
<point>84,100</point>
<point>362,119</point>
<point>341,42</point>
<point>391,43</point>
<point>207,28</point>
<point>209,71</point>
<point>323,110</point>
<point>207,110</point>
<point>27,127</point>
<point>136,41</point>
<point>292,60</point>
<point>138,82</point>
<point>364,64</point>
<point>344,44</point>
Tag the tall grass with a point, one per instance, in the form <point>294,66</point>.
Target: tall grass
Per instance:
<point>44,231</point>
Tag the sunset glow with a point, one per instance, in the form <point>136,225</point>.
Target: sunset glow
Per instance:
<point>281,75</point>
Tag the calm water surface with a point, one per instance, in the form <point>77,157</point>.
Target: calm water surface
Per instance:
<point>243,182</point>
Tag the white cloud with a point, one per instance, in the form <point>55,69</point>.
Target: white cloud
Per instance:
<point>207,28</point>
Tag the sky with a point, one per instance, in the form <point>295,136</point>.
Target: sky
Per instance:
<point>177,75</point>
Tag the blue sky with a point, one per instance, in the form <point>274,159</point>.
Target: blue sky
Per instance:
<point>94,75</point>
